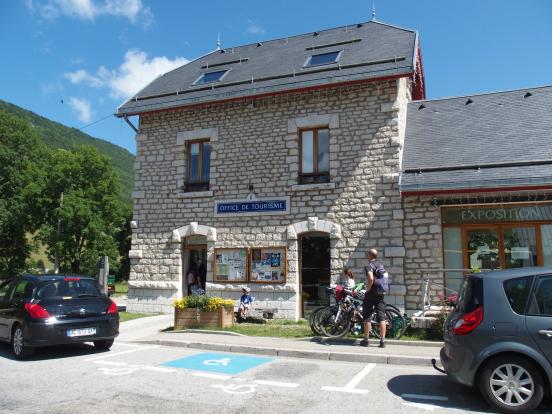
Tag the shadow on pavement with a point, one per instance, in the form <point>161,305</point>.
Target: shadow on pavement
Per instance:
<point>446,393</point>
<point>52,352</point>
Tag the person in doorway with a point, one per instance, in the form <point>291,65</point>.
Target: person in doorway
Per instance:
<point>245,303</point>
<point>202,275</point>
<point>377,285</point>
<point>191,279</point>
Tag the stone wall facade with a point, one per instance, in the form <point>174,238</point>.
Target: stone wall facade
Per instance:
<point>423,244</point>
<point>255,143</point>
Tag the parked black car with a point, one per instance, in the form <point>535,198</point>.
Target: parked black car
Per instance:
<point>499,337</point>
<point>44,310</point>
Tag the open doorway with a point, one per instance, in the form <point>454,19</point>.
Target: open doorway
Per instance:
<point>194,262</point>
<point>315,274</point>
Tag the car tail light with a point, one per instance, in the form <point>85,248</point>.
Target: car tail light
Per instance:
<point>71,279</point>
<point>36,311</point>
<point>112,309</point>
<point>468,322</point>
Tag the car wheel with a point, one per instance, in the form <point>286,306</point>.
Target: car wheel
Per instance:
<point>19,349</point>
<point>511,384</point>
<point>104,344</point>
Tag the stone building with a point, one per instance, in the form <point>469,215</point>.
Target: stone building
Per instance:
<point>273,165</point>
<point>476,180</point>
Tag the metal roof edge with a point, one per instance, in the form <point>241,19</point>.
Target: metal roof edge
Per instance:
<point>480,94</point>
<point>252,93</point>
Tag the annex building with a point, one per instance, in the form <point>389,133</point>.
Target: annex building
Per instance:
<point>276,164</point>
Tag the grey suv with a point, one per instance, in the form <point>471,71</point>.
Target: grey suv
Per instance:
<point>500,337</point>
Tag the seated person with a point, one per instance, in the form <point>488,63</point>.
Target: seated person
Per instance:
<point>349,278</point>
<point>245,302</point>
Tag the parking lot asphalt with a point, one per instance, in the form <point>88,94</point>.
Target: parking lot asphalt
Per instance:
<point>135,378</point>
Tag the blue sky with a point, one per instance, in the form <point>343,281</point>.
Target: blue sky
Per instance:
<point>92,54</point>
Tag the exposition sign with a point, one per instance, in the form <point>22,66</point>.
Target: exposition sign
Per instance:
<point>511,213</point>
<point>252,206</point>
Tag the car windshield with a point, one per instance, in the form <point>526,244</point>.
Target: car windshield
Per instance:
<point>70,287</point>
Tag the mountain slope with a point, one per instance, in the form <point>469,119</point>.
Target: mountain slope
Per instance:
<point>56,135</point>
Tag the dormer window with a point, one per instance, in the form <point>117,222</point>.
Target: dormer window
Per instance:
<point>211,77</point>
<point>322,59</point>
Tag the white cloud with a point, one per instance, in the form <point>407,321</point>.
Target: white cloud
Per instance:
<point>82,76</point>
<point>132,10</point>
<point>254,28</point>
<point>82,108</point>
<point>130,77</point>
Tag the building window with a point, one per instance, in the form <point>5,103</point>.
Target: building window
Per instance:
<point>323,59</point>
<point>211,77</point>
<point>199,166</point>
<point>315,156</point>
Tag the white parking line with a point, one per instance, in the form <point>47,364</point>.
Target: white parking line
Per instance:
<point>159,369</point>
<point>277,383</point>
<point>425,397</point>
<point>427,407</point>
<point>129,344</point>
<point>212,376</point>
<point>109,355</point>
<point>115,364</point>
<point>350,386</point>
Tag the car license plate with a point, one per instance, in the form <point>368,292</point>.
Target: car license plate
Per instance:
<point>81,332</point>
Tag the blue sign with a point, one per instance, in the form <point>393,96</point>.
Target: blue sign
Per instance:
<point>222,363</point>
<point>252,206</point>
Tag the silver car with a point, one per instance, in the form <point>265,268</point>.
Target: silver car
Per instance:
<point>499,337</point>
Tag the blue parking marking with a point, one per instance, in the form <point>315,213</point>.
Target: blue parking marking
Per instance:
<point>223,363</point>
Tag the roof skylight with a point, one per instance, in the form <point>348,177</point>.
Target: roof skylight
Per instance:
<point>211,77</point>
<point>323,59</point>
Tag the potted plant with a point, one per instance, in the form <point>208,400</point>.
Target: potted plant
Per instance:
<point>202,310</point>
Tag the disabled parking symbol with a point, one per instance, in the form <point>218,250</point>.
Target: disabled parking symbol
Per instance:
<point>221,363</point>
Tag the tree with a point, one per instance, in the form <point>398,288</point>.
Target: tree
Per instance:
<point>22,156</point>
<point>81,210</point>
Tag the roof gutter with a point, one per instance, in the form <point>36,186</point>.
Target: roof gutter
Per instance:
<point>475,190</point>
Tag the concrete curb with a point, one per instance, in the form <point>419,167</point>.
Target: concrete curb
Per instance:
<point>350,341</point>
<point>205,331</point>
<point>297,353</point>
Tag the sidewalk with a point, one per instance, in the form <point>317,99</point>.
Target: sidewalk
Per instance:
<point>147,330</point>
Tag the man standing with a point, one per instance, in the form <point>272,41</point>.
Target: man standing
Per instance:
<point>377,285</point>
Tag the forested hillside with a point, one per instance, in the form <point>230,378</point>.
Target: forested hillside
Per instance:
<point>56,135</point>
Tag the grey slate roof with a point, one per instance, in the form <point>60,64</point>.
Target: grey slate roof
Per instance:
<point>369,50</point>
<point>503,133</point>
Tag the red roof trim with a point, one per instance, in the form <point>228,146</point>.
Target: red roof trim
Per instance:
<point>264,95</point>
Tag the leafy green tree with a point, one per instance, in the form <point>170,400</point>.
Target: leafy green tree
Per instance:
<point>124,239</point>
<point>22,156</point>
<point>81,210</point>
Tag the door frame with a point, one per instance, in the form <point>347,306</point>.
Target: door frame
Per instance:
<point>300,267</point>
<point>186,263</point>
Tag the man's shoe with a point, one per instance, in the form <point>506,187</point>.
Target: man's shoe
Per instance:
<point>382,344</point>
<point>364,342</point>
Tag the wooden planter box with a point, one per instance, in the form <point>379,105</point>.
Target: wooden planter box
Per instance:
<point>194,318</point>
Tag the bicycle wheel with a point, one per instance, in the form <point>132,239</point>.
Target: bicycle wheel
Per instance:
<point>332,326</point>
<point>313,320</point>
<point>396,325</point>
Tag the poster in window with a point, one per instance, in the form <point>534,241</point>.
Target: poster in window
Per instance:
<point>231,265</point>
<point>268,265</point>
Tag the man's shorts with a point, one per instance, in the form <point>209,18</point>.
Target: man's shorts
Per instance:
<point>371,303</point>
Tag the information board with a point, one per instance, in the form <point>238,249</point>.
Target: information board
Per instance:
<point>268,265</point>
<point>230,265</point>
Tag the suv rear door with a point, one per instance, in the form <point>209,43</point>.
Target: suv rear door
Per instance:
<point>539,314</point>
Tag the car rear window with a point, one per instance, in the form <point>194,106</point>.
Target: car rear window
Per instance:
<point>517,291</point>
<point>71,287</point>
<point>471,295</point>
